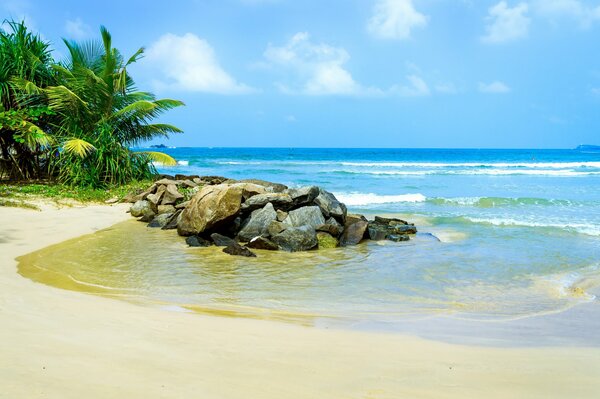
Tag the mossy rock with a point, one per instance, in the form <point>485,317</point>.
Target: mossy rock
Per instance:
<point>326,240</point>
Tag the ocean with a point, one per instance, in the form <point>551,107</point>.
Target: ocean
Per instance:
<point>503,235</point>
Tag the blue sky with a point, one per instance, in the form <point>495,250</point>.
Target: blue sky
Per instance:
<point>355,73</point>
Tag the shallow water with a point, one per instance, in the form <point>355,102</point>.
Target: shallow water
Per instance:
<point>519,236</point>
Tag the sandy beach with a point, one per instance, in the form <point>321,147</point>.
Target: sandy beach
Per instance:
<point>61,344</point>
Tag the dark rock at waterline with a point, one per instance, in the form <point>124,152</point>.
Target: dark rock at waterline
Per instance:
<point>390,221</point>
<point>353,218</point>
<point>398,237</point>
<point>294,239</point>
<point>326,240</point>
<point>147,216</point>
<point>196,241</point>
<point>303,195</point>
<point>220,240</point>
<point>173,221</point>
<point>305,216</point>
<point>404,229</point>
<point>261,242</point>
<point>236,249</point>
<point>353,233</point>
<point>378,232</point>
<point>330,206</point>
<point>258,223</point>
<point>160,221</point>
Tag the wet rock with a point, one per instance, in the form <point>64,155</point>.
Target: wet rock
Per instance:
<point>275,227</point>
<point>353,218</point>
<point>211,207</point>
<point>166,209</point>
<point>303,195</point>
<point>138,208</point>
<point>279,200</point>
<point>173,221</point>
<point>404,229</point>
<point>262,243</point>
<point>353,233</point>
<point>398,237</point>
<point>160,221</point>
<point>258,223</point>
<point>171,195</point>
<point>378,232</point>
<point>147,215</point>
<point>236,249</point>
<point>330,206</point>
<point>305,216</point>
<point>332,227</point>
<point>390,221</point>
<point>326,240</point>
<point>295,239</point>
<point>220,240</point>
<point>196,241</point>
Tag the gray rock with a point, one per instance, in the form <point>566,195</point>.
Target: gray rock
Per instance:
<point>275,227</point>
<point>389,221</point>
<point>353,233</point>
<point>161,220</point>
<point>262,243</point>
<point>258,223</point>
<point>173,221</point>
<point>330,206</point>
<point>404,229</point>
<point>221,240</point>
<point>279,200</point>
<point>147,216</point>
<point>166,209</point>
<point>353,218</point>
<point>398,237</point>
<point>271,187</point>
<point>171,195</point>
<point>378,232</point>
<point>236,249</point>
<point>281,215</point>
<point>196,241</point>
<point>305,216</point>
<point>303,195</point>
<point>296,239</point>
<point>138,208</point>
<point>332,227</point>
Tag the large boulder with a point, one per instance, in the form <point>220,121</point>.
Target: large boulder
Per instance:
<point>258,223</point>
<point>270,187</point>
<point>353,233</point>
<point>250,189</point>
<point>139,207</point>
<point>390,229</point>
<point>295,239</point>
<point>330,206</point>
<point>211,207</point>
<point>279,200</point>
<point>305,216</point>
<point>303,195</point>
<point>332,227</point>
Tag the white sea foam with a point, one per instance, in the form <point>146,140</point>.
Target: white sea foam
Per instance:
<point>497,172</point>
<point>183,163</point>
<point>361,199</point>
<point>583,228</point>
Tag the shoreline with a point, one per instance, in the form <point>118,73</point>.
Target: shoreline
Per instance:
<point>60,344</point>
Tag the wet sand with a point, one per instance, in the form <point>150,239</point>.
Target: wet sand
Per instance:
<point>61,344</point>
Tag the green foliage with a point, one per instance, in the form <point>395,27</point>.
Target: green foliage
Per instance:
<point>91,111</point>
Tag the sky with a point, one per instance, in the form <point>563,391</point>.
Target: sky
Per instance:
<point>354,73</point>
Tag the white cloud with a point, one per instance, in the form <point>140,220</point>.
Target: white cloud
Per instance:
<point>319,67</point>
<point>395,19</point>
<point>77,29</point>
<point>189,63</point>
<point>572,9</point>
<point>596,91</point>
<point>416,87</point>
<point>506,24</point>
<point>496,87</point>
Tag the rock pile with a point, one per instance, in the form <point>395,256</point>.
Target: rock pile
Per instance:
<point>213,210</point>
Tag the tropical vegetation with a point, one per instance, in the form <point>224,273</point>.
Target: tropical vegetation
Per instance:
<point>75,121</point>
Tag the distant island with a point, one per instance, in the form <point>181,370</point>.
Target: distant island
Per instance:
<point>158,146</point>
<point>587,147</point>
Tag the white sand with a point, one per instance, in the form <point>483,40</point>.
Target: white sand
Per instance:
<point>62,344</point>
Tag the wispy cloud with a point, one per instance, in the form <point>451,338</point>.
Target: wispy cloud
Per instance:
<point>555,10</point>
<point>189,63</point>
<point>77,29</point>
<point>395,19</point>
<point>506,24</point>
<point>495,87</point>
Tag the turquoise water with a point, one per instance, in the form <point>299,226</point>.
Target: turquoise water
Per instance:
<point>504,235</point>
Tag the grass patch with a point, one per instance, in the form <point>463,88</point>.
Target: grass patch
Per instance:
<point>17,204</point>
<point>12,193</point>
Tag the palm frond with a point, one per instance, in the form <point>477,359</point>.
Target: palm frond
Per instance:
<point>160,157</point>
<point>78,147</point>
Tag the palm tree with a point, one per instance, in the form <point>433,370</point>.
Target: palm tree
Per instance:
<point>24,120</point>
<point>100,114</point>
